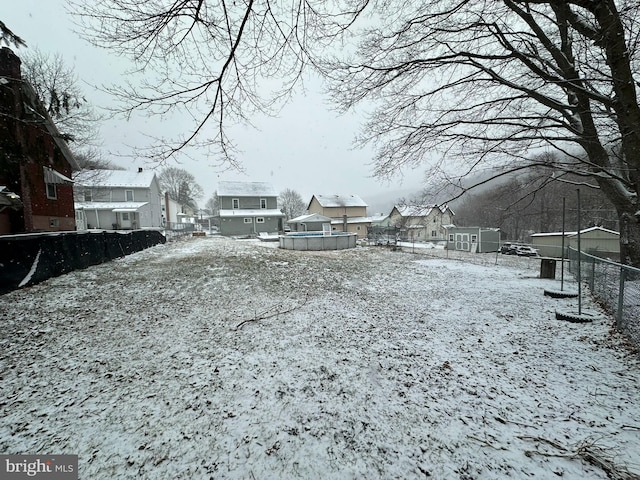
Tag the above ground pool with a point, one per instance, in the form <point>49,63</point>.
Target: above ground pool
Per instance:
<point>318,241</point>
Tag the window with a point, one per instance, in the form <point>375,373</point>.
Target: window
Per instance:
<point>434,233</point>
<point>248,220</point>
<point>260,220</point>
<point>128,195</point>
<point>263,203</point>
<point>87,195</point>
<point>451,237</point>
<point>51,191</point>
<point>358,227</point>
<point>54,222</point>
<point>236,204</point>
<point>474,238</point>
<point>125,216</point>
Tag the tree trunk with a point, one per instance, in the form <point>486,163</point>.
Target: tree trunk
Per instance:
<point>629,239</point>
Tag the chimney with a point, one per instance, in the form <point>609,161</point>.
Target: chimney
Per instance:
<point>139,169</point>
<point>9,64</point>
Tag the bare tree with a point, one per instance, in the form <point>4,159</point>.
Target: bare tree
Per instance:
<point>7,37</point>
<point>520,205</point>
<point>291,204</point>
<point>91,158</point>
<point>468,82</point>
<point>212,206</point>
<point>57,87</point>
<point>214,60</point>
<point>483,82</point>
<point>181,186</point>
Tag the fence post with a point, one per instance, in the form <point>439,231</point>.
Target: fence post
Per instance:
<point>623,274</point>
<point>593,274</point>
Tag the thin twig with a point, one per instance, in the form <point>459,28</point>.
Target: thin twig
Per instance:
<point>266,313</point>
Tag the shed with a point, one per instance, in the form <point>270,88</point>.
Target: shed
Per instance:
<point>596,241</point>
<point>473,239</point>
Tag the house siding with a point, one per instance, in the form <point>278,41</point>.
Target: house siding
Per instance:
<point>28,143</point>
<point>249,198</point>
<point>237,227</point>
<point>337,214</point>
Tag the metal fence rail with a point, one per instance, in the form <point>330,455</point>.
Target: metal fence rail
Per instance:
<point>175,230</point>
<point>615,286</point>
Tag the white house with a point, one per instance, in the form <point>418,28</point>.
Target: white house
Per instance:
<point>422,222</point>
<point>117,199</point>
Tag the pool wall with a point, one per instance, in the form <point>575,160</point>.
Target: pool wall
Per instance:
<point>335,241</point>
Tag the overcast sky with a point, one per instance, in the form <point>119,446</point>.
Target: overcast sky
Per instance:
<point>306,148</point>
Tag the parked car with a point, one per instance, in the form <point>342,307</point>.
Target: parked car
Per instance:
<point>526,251</point>
<point>509,248</point>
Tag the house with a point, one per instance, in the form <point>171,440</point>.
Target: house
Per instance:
<point>421,223</point>
<point>248,208</point>
<point>473,239</point>
<point>35,162</point>
<point>175,214</point>
<point>118,199</point>
<point>348,213</point>
<point>597,241</point>
<point>312,222</point>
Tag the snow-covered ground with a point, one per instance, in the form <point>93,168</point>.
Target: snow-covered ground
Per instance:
<point>217,358</point>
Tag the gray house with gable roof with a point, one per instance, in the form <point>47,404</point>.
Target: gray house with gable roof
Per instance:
<point>248,208</point>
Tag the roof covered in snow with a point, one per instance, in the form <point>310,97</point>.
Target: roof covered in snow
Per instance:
<point>573,233</point>
<point>419,210</point>
<point>336,221</point>
<point>312,217</point>
<point>340,201</point>
<point>251,212</point>
<point>115,178</point>
<point>113,206</point>
<point>246,189</point>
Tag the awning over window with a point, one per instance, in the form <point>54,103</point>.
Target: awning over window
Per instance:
<point>131,210</point>
<point>55,178</point>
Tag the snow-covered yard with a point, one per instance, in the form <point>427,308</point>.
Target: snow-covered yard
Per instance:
<point>214,358</point>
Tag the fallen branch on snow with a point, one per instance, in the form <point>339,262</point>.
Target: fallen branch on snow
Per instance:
<point>588,452</point>
<point>272,311</point>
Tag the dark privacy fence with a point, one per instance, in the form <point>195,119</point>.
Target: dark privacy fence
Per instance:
<point>29,259</point>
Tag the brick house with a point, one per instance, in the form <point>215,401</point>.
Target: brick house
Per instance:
<point>35,162</point>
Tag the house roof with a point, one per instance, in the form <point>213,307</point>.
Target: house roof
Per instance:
<point>246,189</point>
<point>328,201</point>
<point>115,178</point>
<point>41,112</point>
<point>419,210</point>
<point>312,217</point>
<point>251,212</point>
<point>335,221</point>
<point>112,206</point>
<point>379,218</point>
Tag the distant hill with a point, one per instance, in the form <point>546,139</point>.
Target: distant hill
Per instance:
<point>384,201</point>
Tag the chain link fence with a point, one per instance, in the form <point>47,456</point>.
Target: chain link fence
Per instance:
<point>615,286</point>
